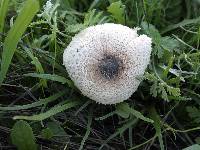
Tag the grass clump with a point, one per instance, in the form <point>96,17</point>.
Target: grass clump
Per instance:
<point>162,114</point>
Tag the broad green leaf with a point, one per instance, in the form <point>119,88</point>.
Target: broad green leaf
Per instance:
<point>117,9</point>
<point>170,44</point>
<point>47,133</point>
<point>193,147</point>
<point>23,20</point>
<point>120,110</point>
<point>22,136</point>
<point>162,44</point>
<point>3,11</point>
<point>56,129</point>
<point>51,112</point>
<point>150,30</point>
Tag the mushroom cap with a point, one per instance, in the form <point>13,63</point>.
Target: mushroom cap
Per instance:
<point>106,61</point>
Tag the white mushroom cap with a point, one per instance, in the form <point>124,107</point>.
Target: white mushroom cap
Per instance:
<point>105,61</point>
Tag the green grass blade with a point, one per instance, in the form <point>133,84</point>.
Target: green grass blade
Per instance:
<point>144,143</point>
<point>157,125</point>
<point>119,131</point>
<point>87,131</point>
<point>3,11</point>
<point>51,112</point>
<point>37,64</point>
<point>182,23</point>
<point>106,116</point>
<point>52,77</point>
<point>35,104</point>
<point>23,20</point>
<point>140,115</point>
<point>124,107</point>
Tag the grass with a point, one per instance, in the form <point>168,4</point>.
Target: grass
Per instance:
<point>164,113</point>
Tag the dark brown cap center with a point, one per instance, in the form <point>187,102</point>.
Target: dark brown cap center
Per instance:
<point>109,67</point>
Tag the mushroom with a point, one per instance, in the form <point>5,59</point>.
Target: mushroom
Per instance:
<point>106,61</point>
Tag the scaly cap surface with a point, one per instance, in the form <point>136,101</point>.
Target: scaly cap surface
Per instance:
<point>105,61</point>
